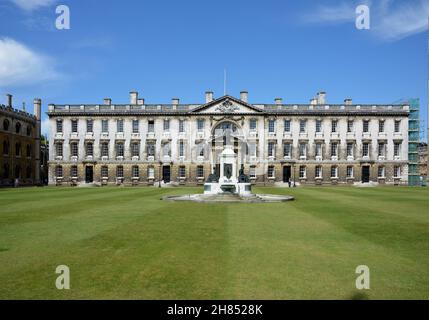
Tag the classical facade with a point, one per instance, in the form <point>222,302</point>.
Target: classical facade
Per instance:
<point>20,145</point>
<point>145,144</point>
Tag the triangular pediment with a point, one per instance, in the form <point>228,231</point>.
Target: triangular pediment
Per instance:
<point>226,105</point>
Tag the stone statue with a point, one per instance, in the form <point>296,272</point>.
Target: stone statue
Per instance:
<point>213,177</point>
<point>242,178</point>
<point>228,170</point>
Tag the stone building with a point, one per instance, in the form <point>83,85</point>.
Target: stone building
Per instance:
<point>20,145</point>
<point>315,143</point>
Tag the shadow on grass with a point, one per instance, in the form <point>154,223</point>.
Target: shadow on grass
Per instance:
<point>359,296</point>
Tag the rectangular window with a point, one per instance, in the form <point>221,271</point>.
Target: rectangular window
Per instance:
<point>334,172</point>
<point>104,172</point>
<point>89,126</point>
<point>302,150</point>
<point>74,149</point>
<point>252,124</point>
<point>381,172</point>
<point>365,149</point>
<point>151,172</point>
<point>350,124</point>
<point>59,171</point>
<point>318,149</point>
<point>120,126</point>
<point>181,126</point>
<point>73,171</point>
<point>334,125</point>
<point>397,171</point>
<point>366,126</point>
<point>119,172</point>
<point>381,149</point>
<point>104,149</point>
<point>252,172</point>
<point>302,172</point>
<point>396,149</point>
<point>318,172</point>
<point>381,126</point>
<point>74,126</point>
<point>59,126</point>
<point>287,150</point>
<point>200,125</point>
<point>182,172</point>
<point>135,149</point>
<point>334,149</point>
<point>302,125</point>
<point>136,172</point>
<point>271,126</point>
<point>120,149</point>
<point>136,126</point>
<point>150,149</point>
<point>151,126</point>
<point>181,149</point>
<point>59,149</point>
<point>166,125</point>
<point>397,126</point>
<point>349,149</point>
<point>89,149</point>
<point>271,172</point>
<point>200,172</point>
<point>271,149</point>
<point>349,172</point>
<point>318,126</point>
<point>105,126</point>
<point>287,125</point>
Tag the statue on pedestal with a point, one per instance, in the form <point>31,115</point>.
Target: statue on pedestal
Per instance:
<point>242,178</point>
<point>212,178</point>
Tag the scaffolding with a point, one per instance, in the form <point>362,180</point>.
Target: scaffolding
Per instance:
<point>414,177</point>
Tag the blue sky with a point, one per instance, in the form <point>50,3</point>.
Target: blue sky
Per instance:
<point>166,49</point>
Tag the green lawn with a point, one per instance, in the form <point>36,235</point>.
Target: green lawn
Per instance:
<point>125,243</point>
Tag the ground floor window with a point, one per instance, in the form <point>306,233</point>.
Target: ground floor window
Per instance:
<point>397,171</point>
<point>318,172</point>
<point>381,172</point>
<point>252,172</point>
<point>182,172</point>
<point>59,171</point>
<point>136,173</point>
<point>119,172</point>
<point>271,172</point>
<point>104,172</point>
<point>349,172</point>
<point>334,172</point>
<point>302,172</point>
<point>73,172</point>
<point>151,173</point>
<point>200,172</point>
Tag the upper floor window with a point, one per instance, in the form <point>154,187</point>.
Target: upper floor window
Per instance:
<point>17,149</point>
<point>74,148</point>
<point>318,149</point>
<point>89,126</point>
<point>181,126</point>
<point>166,125</point>
<point>104,149</point>
<point>119,149</point>
<point>18,128</point>
<point>105,126</point>
<point>334,149</point>
<point>381,149</point>
<point>150,149</point>
<point>200,125</point>
<point>59,149</point>
<point>302,150</point>
<point>287,125</point>
<point>151,126</point>
<point>302,126</point>
<point>397,126</point>
<point>74,124</point>
<point>135,149</point>
<point>271,149</point>
<point>29,131</point>
<point>59,126</point>
<point>181,149</point>
<point>135,126</point>
<point>381,126</point>
<point>349,149</point>
<point>6,125</point>
<point>334,125</point>
<point>365,149</point>
<point>365,126</point>
<point>5,147</point>
<point>287,150</point>
<point>252,124</point>
<point>89,149</point>
<point>318,126</point>
<point>350,124</point>
<point>120,126</point>
<point>271,126</point>
<point>396,149</point>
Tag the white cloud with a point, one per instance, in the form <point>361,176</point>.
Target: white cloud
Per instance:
<point>390,19</point>
<point>19,65</point>
<point>30,5</point>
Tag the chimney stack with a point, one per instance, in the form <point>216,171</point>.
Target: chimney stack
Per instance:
<point>209,96</point>
<point>140,102</point>
<point>278,101</point>
<point>348,102</point>
<point>9,100</point>
<point>23,106</point>
<point>321,97</point>
<point>244,96</point>
<point>107,101</point>
<point>175,101</point>
<point>134,97</point>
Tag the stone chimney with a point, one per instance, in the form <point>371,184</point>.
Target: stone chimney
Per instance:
<point>175,101</point>
<point>209,96</point>
<point>321,97</point>
<point>134,96</point>
<point>278,101</point>
<point>107,101</point>
<point>244,96</point>
<point>9,100</point>
<point>140,102</point>
<point>348,102</point>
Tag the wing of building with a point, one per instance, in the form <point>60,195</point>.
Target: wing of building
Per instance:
<point>315,143</point>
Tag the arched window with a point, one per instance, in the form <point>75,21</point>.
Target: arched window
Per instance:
<point>5,147</point>
<point>18,127</point>
<point>6,125</point>
<point>17,149</point>
<point>28,131</point>
<point>28,150</point>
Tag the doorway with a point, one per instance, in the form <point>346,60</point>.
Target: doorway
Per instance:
<point>166,173</point>
<point>89,174</point>
<point>286,173</point>
<point>365,174</point>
